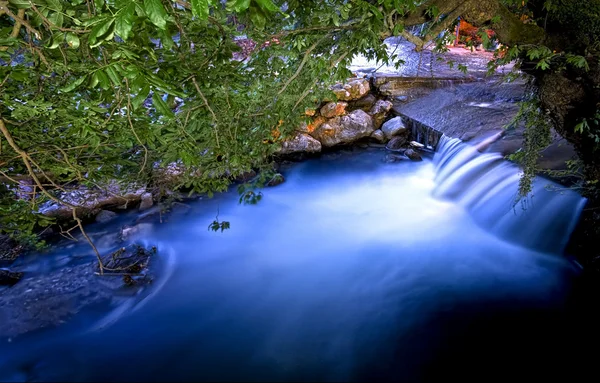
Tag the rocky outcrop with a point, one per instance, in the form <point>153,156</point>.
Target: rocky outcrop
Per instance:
<point>146,201</point>
<point>345,129</point>
<point>394,127</point>
<point>365,103</point>
<point>379,112</point>
<point>9,278</point>
<point>334,109</point>
<point>353,90</point>
<point>302,143</point>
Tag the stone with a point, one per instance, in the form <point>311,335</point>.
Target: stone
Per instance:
<point>345,129</point>
<point>246,176</point>
<point>310,112</point>
<point>353,90</point>
<point>105,216</point>
<point>417,145</point>
<point>131,259</point>
<point>334,109</point>
<point>365,103</point>
<point>413,155</point>
<point>302,143</point>
<point>396,143</point>
<point>147,201</point>
<point>394,127</point>
<point>314,124</point>
<point>9,278</point>
<point>379,112</point>
<point>277,179</point>
<point>9,248</point>
<point>378,136</point>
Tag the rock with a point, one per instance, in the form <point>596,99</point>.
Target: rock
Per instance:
<point>396,143</point>
<point>310,112</point>
<point>147,201</point>
<point>277,179</point>
<point>378,136</point>
<point>353,90</point>
<point>302,143</point>
<point>334,109</point>
<point>132,259</point>
<point>246,176</point>
<point>379,112</point>
<point>365,103</point>
<point>9,249</point>
<point>345,129</point>
<point>105,216</point>
<point>310,127</point>
<point>413,155</point>
<point>9,278</point>
<point>394,127</point>
<point>417,145</point>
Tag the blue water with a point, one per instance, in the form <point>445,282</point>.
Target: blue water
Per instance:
<point>350,270</point>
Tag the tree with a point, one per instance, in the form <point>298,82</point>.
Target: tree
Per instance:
<point>104,91</point>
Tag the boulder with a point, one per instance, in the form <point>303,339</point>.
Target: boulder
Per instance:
<point>310,127</point>
<point>147,201</point>
<point>379,112</point>
<point>391,158</point>
<point>378,136</point>
<point>365,103</point>
<point>334,109</point>
<point>396,143</point>
<point>302,143</point>
<point>413,155</point>
<point>394,127</point>
<point>353,90</point>
<point>417,145</point>
<point>345,129</point>
<point>105,216</point>
<point>9,278</point>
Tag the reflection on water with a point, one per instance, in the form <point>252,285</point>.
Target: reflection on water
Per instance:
<point>348,271</point>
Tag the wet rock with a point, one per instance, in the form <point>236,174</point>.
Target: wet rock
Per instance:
<point>9,249</point>
<point>147,201</point>
<point>302,143</point>
<point>277,179</point>
<point>334,109</point>
<point>379,112</point>
<point>105,216</point>
<point>90,201</point>
<point>9,278</point>
<point>132,260</point>
<point>353,90</point>
<point>365,103</point>
<point>417,145</point>
<point>396,143</point>
<point>413,155</point>
<point>345,129</point>
<point>394,127</point>
<point>378,136</point>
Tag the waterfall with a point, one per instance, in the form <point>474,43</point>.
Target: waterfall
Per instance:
<point>487,186</point>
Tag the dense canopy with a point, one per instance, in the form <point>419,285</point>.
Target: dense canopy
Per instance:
<point>105,91</point>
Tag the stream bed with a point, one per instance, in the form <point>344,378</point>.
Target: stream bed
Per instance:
<point>349,271</point>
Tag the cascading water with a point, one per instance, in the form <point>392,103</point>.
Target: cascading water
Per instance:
<point>487,186</point>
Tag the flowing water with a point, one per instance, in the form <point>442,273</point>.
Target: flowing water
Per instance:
<point>353,269</point>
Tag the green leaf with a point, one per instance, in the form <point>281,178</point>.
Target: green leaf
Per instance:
<point>267,5</point>
<point>94,80</point>
<point>113,75</point>
<point>124,21</point>
<point>156,13</point>
<point>20,4</point>
<point>73,85</point>
<point>56,18</point>
<point>257,17</point>
<point>101,30</point>
<point>140,97</point>
<point>103,79</point>
<point>200,8</point>
<point>72,40</point>
<point>161,106</point>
